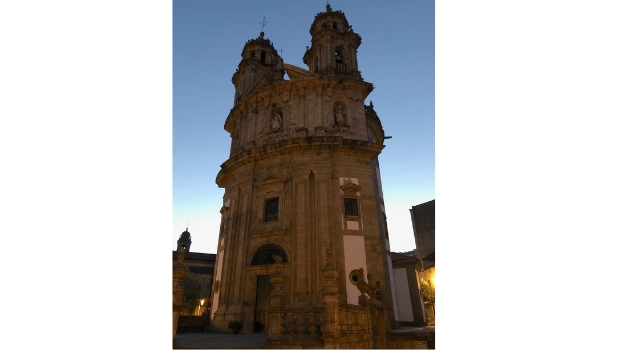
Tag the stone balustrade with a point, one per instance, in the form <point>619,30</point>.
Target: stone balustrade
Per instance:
<point>297,327</point>
<point>340,67</point>
<point>302,324</point>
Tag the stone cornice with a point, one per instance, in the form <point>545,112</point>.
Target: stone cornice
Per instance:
<point>313,144</point>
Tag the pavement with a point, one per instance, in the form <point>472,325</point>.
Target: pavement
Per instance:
<point>220,341</point>
<point>247,341</point>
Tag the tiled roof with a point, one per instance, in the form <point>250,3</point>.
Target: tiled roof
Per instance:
<point>430,256</point>
<point>398,256</point>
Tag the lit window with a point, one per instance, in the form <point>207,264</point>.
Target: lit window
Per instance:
<point>271,209</point>
<point>350,207</point>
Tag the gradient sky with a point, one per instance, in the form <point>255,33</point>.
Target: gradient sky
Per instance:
<point>397,55</point>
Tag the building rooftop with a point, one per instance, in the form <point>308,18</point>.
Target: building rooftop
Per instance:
<point>196,256</point>
<point>399,256</point>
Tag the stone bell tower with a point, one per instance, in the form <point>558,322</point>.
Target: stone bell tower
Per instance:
<point>334,46</point>
<point>302,180</point>
<point>185,241</point>
<point>260,66</point>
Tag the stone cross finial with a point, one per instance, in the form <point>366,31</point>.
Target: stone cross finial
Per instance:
<point>263,24</point>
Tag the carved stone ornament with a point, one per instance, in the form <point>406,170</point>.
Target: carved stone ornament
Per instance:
<point>330,92</point>
<point>266,102</point>
<point>285,96</point>
<point>357,276</point>
<point>350,189</point>
<point>236,142</point>
<point>355,95</point>
<point>224,212</point>
<point>286,224</point>
<point>339,114</point>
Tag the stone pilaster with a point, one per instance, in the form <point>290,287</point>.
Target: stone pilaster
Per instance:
<point>330,303</point>
<point>275,328</point>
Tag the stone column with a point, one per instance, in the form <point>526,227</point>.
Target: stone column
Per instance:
<point>179,272</point>
<point>330,303</point>
<point>275,328</point>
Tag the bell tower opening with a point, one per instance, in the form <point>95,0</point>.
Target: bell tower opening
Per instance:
<point>339,54</point>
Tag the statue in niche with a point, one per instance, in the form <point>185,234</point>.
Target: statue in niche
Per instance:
<point>276,121</point>
<point>339,112</point>
<point>236,142</point>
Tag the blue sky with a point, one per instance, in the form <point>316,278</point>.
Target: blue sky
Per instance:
<point>397,55</point>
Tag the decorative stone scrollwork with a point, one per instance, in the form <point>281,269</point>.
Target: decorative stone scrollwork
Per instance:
<point>356,276</point>
<point>224,212</point>
<point>286,224</point>
<point>350,189</point>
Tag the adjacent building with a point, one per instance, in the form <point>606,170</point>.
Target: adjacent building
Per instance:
<point>201,266</point>
<point>423,220</point>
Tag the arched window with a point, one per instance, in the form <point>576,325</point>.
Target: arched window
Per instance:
<point>265,255</point>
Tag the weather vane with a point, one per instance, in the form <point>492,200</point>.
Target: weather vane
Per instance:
<point>187,227</point>
<point>263,24</point>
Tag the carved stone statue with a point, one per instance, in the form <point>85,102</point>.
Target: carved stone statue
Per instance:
<point>276,121</point>
<point>339,115</point>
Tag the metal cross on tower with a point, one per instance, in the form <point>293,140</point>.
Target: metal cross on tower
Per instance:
<point>263,24</point>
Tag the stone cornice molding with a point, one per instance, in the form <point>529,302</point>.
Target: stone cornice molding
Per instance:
<point>269,181</point>
<point>334,144</point>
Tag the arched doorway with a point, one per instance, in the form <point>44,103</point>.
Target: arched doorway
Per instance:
<point>265,255</point>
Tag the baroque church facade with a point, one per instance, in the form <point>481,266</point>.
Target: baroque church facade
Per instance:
<point>303,225</point>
